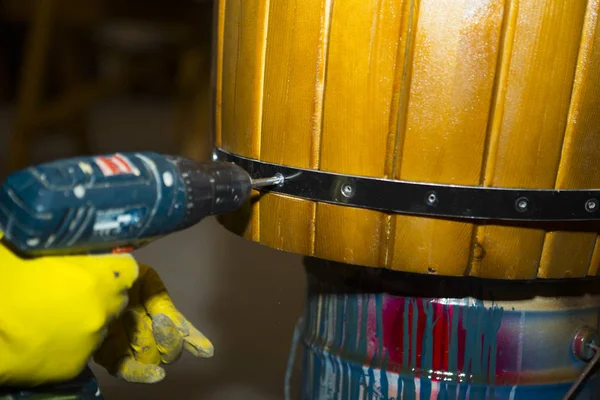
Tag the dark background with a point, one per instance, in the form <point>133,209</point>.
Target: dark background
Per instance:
<point>245,297</point>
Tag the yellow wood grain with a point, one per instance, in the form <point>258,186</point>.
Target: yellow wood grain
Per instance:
<point>567,254</point>
<point>528,123</point>
<point>244,48</point>
<point>218,73</point>
<point>293,102</point>
<point>243,222</point>
<point>359,89</point>
<point>595,263</point>
<point>294,67</point>
<point>445,124</point>
<point>349,235</point>
<point>243,75</point>
<point>287,224</point>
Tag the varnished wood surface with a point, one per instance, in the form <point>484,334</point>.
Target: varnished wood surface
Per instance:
<point>493,93</point>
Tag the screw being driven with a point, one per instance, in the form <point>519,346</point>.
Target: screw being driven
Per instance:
<point>347,190</point>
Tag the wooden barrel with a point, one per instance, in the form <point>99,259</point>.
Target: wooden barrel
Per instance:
<point>466,92</point>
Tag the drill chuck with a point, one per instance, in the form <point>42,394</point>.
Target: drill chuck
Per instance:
<point>211,188</point>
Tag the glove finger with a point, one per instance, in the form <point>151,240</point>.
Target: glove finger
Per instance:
<point>169,341</point>
<point>114,348</point>
<point>117,357</point>
<point>153,293</point>
<point>133,371</point>
<point>196,343</point>
<point>157,301</point>
<point>141,339</point>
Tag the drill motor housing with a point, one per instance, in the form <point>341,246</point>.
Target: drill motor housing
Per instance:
<point>116,202</point>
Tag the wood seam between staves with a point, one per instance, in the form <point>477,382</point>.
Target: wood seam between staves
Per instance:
<point>506,20</point>
<point>218,77</point>
<point>260,88</point>
<point>407,51</point>
<point>496,109</point>
<point>319,102</point>
<point>588,35</point>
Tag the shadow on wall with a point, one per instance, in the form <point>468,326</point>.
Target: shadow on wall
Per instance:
<point>245,297</point>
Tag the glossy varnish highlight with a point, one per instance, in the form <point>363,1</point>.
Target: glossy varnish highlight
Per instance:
<point>493,93</point>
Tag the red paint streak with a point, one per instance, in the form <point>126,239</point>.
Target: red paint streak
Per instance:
<point>422,323</point>
<point>461,335</point>
<point>393,330</point>
<point>411,350</point>
<point>440,338</point>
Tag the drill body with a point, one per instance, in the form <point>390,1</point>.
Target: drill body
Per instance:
<point>113,203</point>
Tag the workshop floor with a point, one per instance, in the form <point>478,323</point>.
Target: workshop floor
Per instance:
<point>245,297</point>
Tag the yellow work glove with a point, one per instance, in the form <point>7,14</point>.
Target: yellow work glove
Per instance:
<point>54,312</point>
<point>149,333</point>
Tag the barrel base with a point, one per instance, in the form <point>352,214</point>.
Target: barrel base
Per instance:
<point>376,334</point>
<point>331,377</point>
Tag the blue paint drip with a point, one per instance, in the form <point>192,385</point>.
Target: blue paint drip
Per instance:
<point>453,349</point>
<point>427,351</point>
<point>351,339</point>
<point>371,388</point>
<point>415,333</point>
<point>330,335</point>
<point>339,336</point>
<point>362,344</point>
<point>443,394</point>
<point>410,384</point>
<point>481,327</point>
<point>469,337</point>
<point>497,313</point>
<point>480,321</point>
<point>321,330</point>
<point>381,357</point>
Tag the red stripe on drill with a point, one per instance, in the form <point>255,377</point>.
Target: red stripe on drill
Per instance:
<point>107,166</point>
<point>122,164</point>
<point>114,165</point>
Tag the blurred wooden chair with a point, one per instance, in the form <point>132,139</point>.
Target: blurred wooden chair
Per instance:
<point>31,115</point>
<point>123,31</point>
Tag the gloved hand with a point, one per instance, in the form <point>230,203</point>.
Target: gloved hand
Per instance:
<point>150,332</point>
<point>55,311</point>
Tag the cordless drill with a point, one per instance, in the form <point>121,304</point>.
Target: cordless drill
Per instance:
<point>114,203</point>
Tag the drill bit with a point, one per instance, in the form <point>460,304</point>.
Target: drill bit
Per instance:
<point>276,180</point>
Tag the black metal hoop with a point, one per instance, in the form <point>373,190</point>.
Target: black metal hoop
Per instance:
<point>427,199</point>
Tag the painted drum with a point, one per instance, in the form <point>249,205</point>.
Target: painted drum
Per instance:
<point>388,335</point>
<point>492,93</point>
